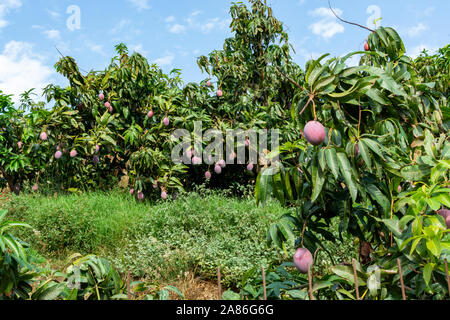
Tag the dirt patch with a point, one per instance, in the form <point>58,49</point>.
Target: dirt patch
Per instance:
<point>194,288</point>
<point>4,196</point>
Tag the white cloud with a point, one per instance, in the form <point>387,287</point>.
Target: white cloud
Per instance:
<point>214,24</point>
<point>417,30</point>
<point>22,70</point>
<point>165,61</point>
<point>170,19</point>
<point>5,7</point>
<point>53,14</point>
<point>327,26</point>
<point>140,4</point>
<point>416,51</point>
<point>138,48</point>
<point>53,34</point>
<point>120,26</point>
<point>96,48</point>
<point>177,28</point>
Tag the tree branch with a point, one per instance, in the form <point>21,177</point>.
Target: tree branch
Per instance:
<point>352,23</point>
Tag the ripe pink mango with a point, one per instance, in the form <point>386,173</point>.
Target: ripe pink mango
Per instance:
<point>303,260</point>
<point>445,213</point>
<point>218,169</point>
<point>207,175</point>
<point>314,133</point>
<point>164,195</point>
<point>73,153</point>
<point>196,160</point>
<point>20,144</point>
<point>250,167</point>
<point>131,191</point>
<point>366,46</point>
<point>58,154</point>
<point>35,187</point>
<point>97,148</point>
<point>222,164</point>
<point>399,189</point>
<point>150,114</point>
<point>43,136</point>
<point>107,105</point>
<point>141,196</point>
<point>208,83</point>
<point>166,121</point>
<point>101,96</point>
<point>219,93</point>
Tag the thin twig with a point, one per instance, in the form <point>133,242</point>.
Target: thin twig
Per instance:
<point>311,297</point>
<point>264,283</point>
<point>219,290</point>
<point>401,279</point>
<point>448,277</point>
<point>295,83</point>
<point>355,24</point>
<point>356,279</point>
<point>128,286</point>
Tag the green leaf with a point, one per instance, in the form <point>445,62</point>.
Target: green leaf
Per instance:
<point>427,271</point>
<point>332,161</point>
<point>346,171</point>
<point>346,272</point>
<point>415,172</point>
<point>434,246</point>
<point>318,179</point>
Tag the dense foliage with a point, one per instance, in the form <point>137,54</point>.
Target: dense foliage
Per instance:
<point>382,169</point>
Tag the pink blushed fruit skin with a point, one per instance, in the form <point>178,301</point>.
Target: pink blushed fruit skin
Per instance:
<point>399,189</point>
<point>141,196</point>
<point>250,167</point>
<point>208,83</point>
<point>58,154</point>
<point>315,133</point>
<point>366,46</point>
<point>101,96</point>
<point>73,153</point>
<point>222,164</point>
<point>43,136</point>
<point>132,191</point>
<point>445,213</point>
<point>164,195</point>
<point>97,148</point>
<point>107,105</point>
<point>196,160</point>
<point>208,175</point>
<point>218,169</point>
<point>219,93</point>
<point>20,144</point>
<point>150,114</point>
<point>35,188</point>
<point>166,121</point>
<point>303,260</point>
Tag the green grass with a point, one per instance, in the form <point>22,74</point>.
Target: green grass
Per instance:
<point>161,240</point>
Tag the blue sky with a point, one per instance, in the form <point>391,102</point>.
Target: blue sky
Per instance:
<point>174,33</point>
